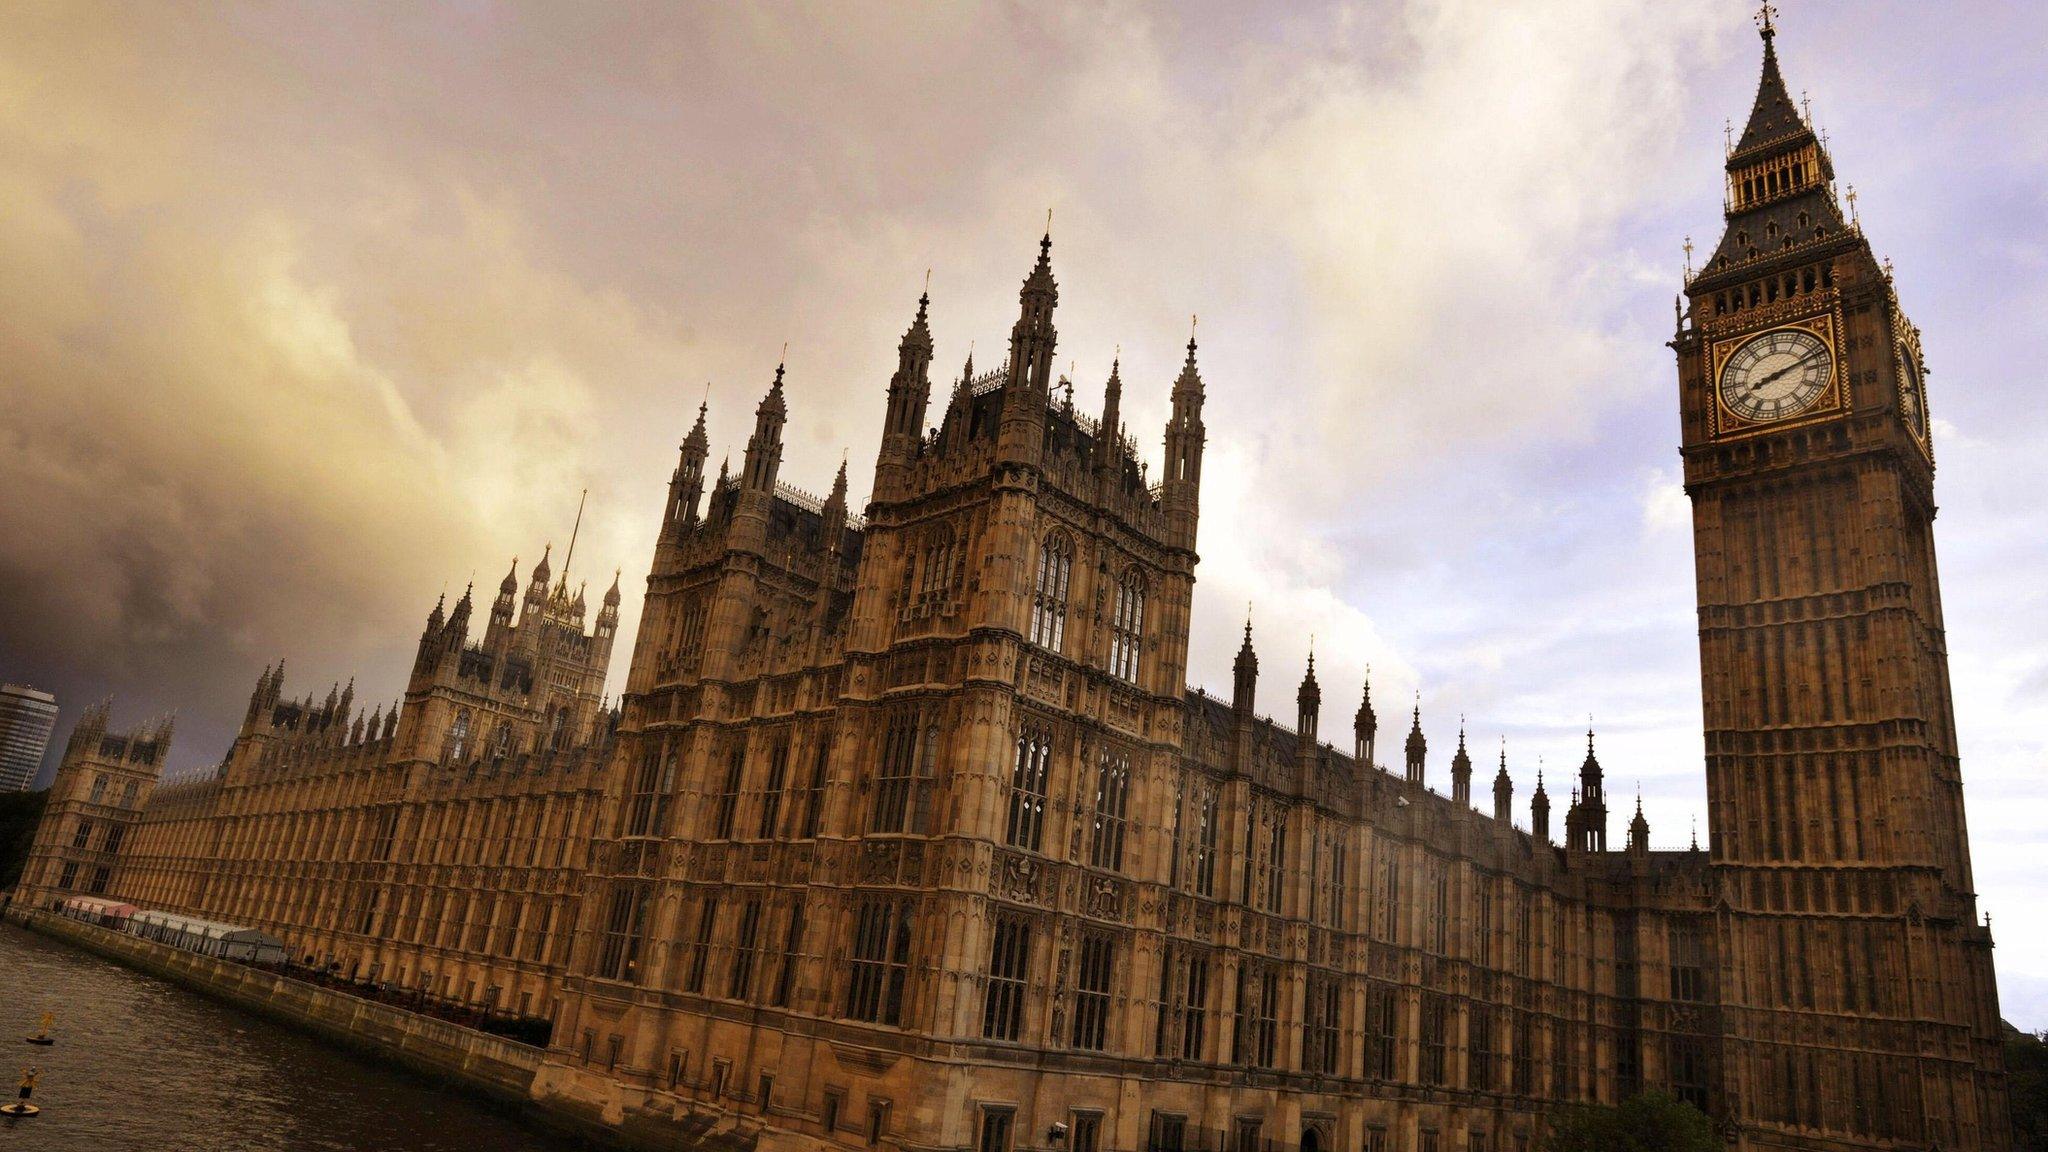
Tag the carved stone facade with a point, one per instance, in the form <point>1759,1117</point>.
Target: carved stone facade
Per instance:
<point>908,834</point>
<point>438,845</point>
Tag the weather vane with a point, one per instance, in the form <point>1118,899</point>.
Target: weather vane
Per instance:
<point>1688,256</point>
<point>1765,17</point>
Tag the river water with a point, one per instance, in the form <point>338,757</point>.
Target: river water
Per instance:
<point>142,1065</point>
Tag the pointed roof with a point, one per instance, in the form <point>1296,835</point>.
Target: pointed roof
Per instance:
<point>510,583</point>
<point>1501,777</point>
<point>1040,281</point>
<point>611,598</point>
<point>1461,761</point>
<point>1773,117</point>
<point>1367,720</point>
<point>540,570</point>
<point>1190,378</point>
<point>698,438</point>
<point>920,332</point>
<point>1310,690</point>
<point>773,402</point>
<point>839,484</point>
<point>1416,744</point>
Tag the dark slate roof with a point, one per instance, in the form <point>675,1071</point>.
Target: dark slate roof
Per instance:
<point>1773,117</point>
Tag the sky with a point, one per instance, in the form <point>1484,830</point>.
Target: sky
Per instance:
<point>310,313</point>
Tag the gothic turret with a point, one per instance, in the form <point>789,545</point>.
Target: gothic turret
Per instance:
<point>1109,449</point>
<point>1539,811</point>
<point>834,525</point>
<point>1310,704</point>
<point>1418,747</point>
<point>502,607</point>
<point>1639,829</point>
<point>1461,772</point>
<point>1503,790</point>
<point>1365,727</point>
<point>1027,388</point>
<point>1245,682</point>
<point>764,447</point>
<point>1185,435</point>
<point>910,391</point>
<point>686,486</point>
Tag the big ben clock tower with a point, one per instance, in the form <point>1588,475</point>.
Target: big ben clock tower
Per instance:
<point>1858,1000</point>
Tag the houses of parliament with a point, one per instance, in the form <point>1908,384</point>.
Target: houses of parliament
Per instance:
<point>906,832</point>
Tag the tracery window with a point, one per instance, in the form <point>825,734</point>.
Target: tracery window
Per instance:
<point>625,927</point>
<point>1319,1038</point>
<point>910,749</point>
<point>1026,825</point>
<point>1049,592</point>
<point>1112,799</point>
<point>1091,992</point>
<point>458,736</point>
<point>1002,1014</point>
<point>1127,627</point>
<point>879,962</point>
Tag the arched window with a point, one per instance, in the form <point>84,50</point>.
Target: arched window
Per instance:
<point>1049,593</point>
<point>501,741</point>
<point>1127,628</point>
<point>1112,800</point>
<point>1027,790</point>
<point>458,736</point>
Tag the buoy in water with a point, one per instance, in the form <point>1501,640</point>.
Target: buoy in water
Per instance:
<point>19,1109</point>
<point>42,1035</point>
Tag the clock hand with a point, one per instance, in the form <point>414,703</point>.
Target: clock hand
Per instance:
<point>1758,386</point>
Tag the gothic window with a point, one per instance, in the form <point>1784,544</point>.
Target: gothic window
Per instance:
<point>1168,1133</point>
<point>1435,1025</point>
<point>879,963</point>
<point>1049,593</point>
<point>99,788</point>
<point>814,793</point>
<point>746,951</point>
<point>700,948</point>
<point>792,943</point>
<point>1027,790</point>
<point>1689,1073</point>
<point>647,807</point>
<point>1112,797</point>
<point>771,796</point>
<point>939,560</point>
<point>1276,866</point>
<point>729,796</point>
<point>501,742</point>
<point>82,835</point>
<point>1091,992</point>
<point>1688,961</point>
<point>1319,1038</point>
<point>1193,1007</point>
<point>1440,908</point>
<point>1479,1029</point>
<point>1127,627</point>
<point>995,1130</point>
<point>625,926</point>
<point>1258,1023</point>
<point>1382,1035</point>
<point>458,737</point>
<point>903,784</point>
<point>1203,870</point>
<point>1002,1014</point>
<point>1525,1054</point>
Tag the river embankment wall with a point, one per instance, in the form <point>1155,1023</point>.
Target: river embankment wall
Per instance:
<point>491,1065</point>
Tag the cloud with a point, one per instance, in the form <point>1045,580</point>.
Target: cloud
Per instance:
<point>309,317</point>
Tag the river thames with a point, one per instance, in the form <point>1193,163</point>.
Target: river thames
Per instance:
<point>142,1064</point>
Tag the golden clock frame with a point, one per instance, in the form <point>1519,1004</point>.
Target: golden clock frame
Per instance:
<point>1824,326</point>
<point>1906,345</point>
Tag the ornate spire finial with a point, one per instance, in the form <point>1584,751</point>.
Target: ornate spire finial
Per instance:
<point>1695,833</point>
<point>1688,256</point>
<point>1766,17</point>
<point>1855,221</point>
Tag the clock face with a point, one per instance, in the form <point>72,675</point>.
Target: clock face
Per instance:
<point>1775,375</point>
<point>1912,394</point>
